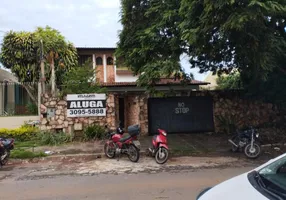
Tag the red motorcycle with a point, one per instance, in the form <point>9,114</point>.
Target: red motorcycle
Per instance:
<point>118,144</point>
<point>159,148</point>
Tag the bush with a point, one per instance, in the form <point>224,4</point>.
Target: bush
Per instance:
<point>32,108</point>
<point>23,133</point>
<point>94,131</point>
<point>226,124</point>
<point>50,138</point>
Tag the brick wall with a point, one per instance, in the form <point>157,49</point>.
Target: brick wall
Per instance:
<point>100,73</point>
<point>110,73</point>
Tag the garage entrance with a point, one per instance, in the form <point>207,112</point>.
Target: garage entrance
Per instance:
<point>180,114</point>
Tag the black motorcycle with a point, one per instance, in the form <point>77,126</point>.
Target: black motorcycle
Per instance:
<point>6,145</point>
<point>248,141</point>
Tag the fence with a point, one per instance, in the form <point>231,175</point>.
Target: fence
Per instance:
<point>18,99</point>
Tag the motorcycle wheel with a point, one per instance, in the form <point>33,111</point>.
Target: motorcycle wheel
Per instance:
<point>254,152</point>
<point>5,157</point>
<point>162,155</point>
<point>109,150</point>
<point>133,153</point>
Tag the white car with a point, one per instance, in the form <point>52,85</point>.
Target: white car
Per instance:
<point>267,181</point>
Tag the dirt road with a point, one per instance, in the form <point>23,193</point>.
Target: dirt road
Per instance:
<point>142,186</point>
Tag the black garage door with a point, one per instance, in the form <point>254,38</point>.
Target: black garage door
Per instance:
<point>181,114</point>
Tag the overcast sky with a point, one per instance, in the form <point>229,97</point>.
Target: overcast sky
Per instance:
<point>91,23</point>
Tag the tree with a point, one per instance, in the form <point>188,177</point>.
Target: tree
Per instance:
<point>18,53</point>
<point>218,36</point>
<point>21,52</point>
<point>149,40</point>
<point>229,82</point>
<point>248,35</point>
<point>81,80</point>
<point>56,51</point>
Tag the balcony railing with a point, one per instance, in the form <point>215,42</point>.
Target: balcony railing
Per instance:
<point>123,70</point>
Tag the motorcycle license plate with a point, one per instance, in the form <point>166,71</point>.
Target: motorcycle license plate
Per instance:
<point>136,143</point>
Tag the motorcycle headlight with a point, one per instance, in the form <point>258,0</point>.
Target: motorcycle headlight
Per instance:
<point>257,135</point>
<point>164,133</point>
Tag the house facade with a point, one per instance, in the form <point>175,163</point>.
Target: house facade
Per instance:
<point>182,108</point>
<point>130,102</point>
<point>104,61</point>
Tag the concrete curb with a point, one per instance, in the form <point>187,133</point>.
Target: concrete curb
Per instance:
<point>98,155</point>
<point>276,144</point>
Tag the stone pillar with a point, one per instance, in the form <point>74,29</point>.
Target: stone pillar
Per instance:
<point>143,114</point>
<point>110,115</point>
<point>116,101</point>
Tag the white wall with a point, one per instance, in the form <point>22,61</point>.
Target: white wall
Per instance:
<point>125,78</point>
<point>1,98</point>
<point>15,121</point>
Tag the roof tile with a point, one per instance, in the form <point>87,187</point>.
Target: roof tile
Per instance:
<point>164,81</point>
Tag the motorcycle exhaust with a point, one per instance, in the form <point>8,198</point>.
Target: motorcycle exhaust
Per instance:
<point>233,143</point>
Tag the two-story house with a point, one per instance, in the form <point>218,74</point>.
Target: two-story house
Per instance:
<point>108,74</point>
<point>131,101</point>
<point>104,61</point>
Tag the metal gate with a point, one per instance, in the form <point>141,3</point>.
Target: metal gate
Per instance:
<point>181,114</point>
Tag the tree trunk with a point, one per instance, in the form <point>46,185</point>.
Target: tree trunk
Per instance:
<point>43,76</point>
<point>53,76</point>
<point>43,79</point>
<point>29,91</point>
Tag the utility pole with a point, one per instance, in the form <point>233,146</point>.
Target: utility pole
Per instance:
<point>43,79</point>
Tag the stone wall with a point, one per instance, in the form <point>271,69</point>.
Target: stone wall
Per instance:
<point>234,109</point>
<point>229,109</point>
<point>70,124</point>
<point>143,113</point>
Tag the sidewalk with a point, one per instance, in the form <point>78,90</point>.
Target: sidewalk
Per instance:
<point>80,165</point>
<point>179,144</point>
<point>195,145</point>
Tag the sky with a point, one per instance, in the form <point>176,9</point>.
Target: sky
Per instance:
<point>86,23</point>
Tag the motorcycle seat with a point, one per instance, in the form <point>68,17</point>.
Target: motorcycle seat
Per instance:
<point>6,143</point>
<point>113,133</point>
<point>125,138</point>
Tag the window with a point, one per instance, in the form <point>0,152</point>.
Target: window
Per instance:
<point>83,59</point>
<point>109,61</point>
<point>99,61</point>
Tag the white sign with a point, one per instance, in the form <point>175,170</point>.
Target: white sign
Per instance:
<point>181,109</point>
<point>86,105</point>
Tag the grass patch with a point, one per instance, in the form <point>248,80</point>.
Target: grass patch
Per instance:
<point>53,139</point>
<point>23,154</point>
<point>178,149</point>
<point>183,152</point>
<point>32,143</point>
